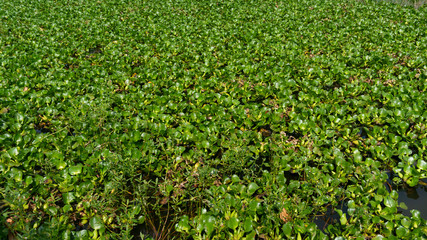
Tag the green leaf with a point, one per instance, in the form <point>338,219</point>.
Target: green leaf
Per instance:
<point>68,197</point>
<point>67,208</point>
<point>19,118</point>
<point>205,144</point>
<point>38,139</point>
<point>61,165</point>
<point>403,206</point>
<point>252,187</point>
<point>405,222</point>
<point>169,188</point>
<point>235,179</point>
<point>254,205</point>
<point>82,234</point>
<point>16,174</point>
<point>248,225</point>
<point>233,222</point>
<point>343,217</point>
<point>389,225</point>
<point>357,156</point>
<point>389,202</point>
<point>210,225</point>
<point>229,200</point>
<point>52,211</point>
<point>28,180</point>
<point>66,235</point>
<point>183,225</point>
<point>317,151</point>
<point>401,231</point>
<point>413,181</point>
<point>13,152</point>
<point>415,214</point>
<point>422,164</point>
<point>378,237</point>
<point>75,170</point>
<point>96,222</point>
<point>287,229</point>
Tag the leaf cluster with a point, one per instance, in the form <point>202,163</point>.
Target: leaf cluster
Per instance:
<point>211,119</point>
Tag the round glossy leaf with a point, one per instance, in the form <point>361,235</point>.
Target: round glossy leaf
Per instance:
<point>406,222</point>
<point>28,180</point>
<point>61,165</point>
<point>75,170</point>
<point>68,197</point>
<point>233,222</point>
<point>210,225</point>
<point>235,179</point>
<point>13,152</point>
<point>82,234</point>
<point>252,187</point>
<point>248,225</point>
<point>389,202</point>
<point>401,231</point>
<point>287,229</point>
<point>96,222</point>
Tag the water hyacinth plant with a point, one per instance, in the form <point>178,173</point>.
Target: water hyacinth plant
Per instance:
<point>212,119</point>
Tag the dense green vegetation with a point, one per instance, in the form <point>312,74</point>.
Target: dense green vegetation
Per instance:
<point>413,3</point>
<point>211,119</point>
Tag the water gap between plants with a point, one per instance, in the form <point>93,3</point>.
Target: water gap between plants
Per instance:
<point>330,216</point>
<point>413,197</point>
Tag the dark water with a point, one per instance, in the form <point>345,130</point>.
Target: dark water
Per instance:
<point>330,217</point>
<point>142,232</point>
<point>42,130</point>
<point>414,198</point>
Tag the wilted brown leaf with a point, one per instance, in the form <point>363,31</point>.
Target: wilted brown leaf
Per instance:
<point>164,200</point>
<point>285,216</point>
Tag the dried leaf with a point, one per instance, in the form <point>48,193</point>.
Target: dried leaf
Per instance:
<point>164,200</point>
<point>285,216</point>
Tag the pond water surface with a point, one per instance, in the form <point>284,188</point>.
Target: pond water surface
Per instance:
<point>414,198</point>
